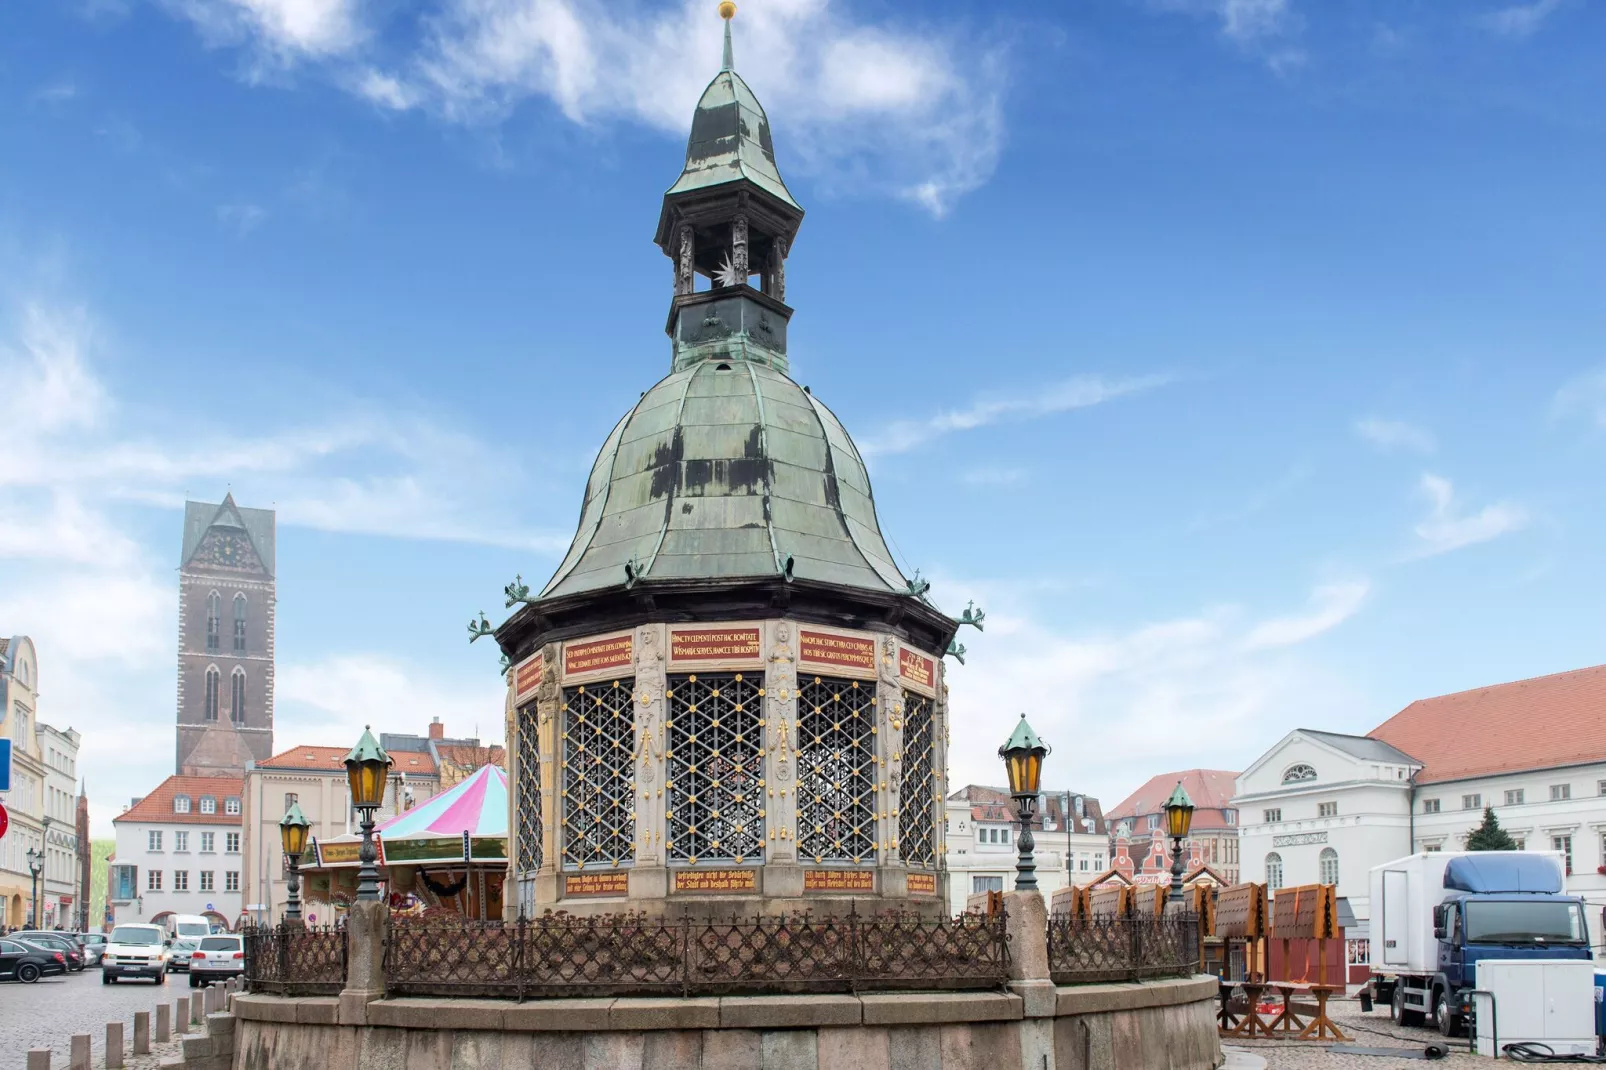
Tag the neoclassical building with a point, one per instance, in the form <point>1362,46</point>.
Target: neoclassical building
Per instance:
<point>728,697</point>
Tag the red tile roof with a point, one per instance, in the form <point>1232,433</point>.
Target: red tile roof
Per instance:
<point>332,759</point>
<point>1210,789</point>
<point>1528,724</point>
<point>157,807</point>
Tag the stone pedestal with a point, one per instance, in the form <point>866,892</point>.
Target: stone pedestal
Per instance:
<point>1026,922</point>
<point>367,930</point>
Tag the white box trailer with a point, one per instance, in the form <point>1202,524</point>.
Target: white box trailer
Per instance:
<point>1530,1001</point>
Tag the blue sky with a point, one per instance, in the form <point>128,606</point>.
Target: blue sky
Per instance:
<point>1243,358</point>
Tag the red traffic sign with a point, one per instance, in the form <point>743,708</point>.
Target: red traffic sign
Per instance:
<point>5,820</point>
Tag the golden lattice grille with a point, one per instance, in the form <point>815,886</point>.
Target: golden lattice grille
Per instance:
<point>528,795</point>
<point>715,789</point>
<point>917,806</point>
<point>836,770</point>
<point>599,780</point>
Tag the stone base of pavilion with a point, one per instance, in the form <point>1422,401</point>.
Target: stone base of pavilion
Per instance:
<point>1130,1026</point>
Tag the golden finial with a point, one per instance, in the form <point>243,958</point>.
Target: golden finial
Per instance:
<point>727,10</point>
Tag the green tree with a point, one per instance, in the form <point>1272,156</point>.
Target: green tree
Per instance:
<point>1489,836</point>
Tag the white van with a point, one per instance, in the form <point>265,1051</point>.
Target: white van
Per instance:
<point>135,951</point>
<point>188,926</point>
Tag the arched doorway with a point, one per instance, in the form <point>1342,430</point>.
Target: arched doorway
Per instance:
<point>161,919</point>
<point>217,919</point>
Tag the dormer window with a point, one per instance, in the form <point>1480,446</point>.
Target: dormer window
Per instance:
<point>231,807</point>
<point>181,804</point>
<point>1297,773</point>
<point>208,805</point>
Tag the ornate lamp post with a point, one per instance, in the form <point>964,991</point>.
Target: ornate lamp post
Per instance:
<point>293,837</point>
<point>367,769</point>
<point>36,866</point>
<point>1178,819</point>
<point>1023,759</point>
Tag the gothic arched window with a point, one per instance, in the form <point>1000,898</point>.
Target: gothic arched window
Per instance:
<point>237,697</point>
<point>1299,772</point>
<point>239,624</point>
<point>1274,871</point>
<point>1329,865</point>
<point>214,680</point>
<point>214,614</point>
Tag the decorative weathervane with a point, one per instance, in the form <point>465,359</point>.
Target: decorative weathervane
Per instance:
<point>956,650</point>
<point>973,616</point>
<point>477,628</point>
<point>518,591</point>
<point>727,273</point>
<point>918,587</point>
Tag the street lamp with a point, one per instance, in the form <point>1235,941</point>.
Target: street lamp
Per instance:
<point>36,866</point>
<point>1178,819</point>
<point>1023,759</point>
<point>367,768</point>
<point>293,836</point>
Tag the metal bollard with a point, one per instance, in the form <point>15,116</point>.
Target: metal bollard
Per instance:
<point>114,1045</point>
<point>164,1023</point>
<point>38,1059</point>
<point>142,1032</point>
<point>78,1057</point>
<point>181,1015</point>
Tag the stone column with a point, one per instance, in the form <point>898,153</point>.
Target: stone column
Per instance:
<point>164,1026</point>
<point>367,930</point>
<point>685,260</point>
<point>776,275</point>
<point>512,883</point>
<point>114,1045</point>
<point>38,1059</point>
<point>181,1015</point>
<point>649,877</point>
<point>142,1032</point>
<point>78,1053</point>
<point>783,875</point>
<point>889,770</point>
<point>1026,922</point>
<point>739,248</point>
<point>939,783</point>
<point>548,718</point>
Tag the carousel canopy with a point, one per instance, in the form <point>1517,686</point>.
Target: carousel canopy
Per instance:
<point>465,824</point>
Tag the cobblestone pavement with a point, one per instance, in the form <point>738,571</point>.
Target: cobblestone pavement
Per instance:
<point>47,1013</point>
<point>1372,1030</point>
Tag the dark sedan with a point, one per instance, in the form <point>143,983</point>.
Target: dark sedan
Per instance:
<point>56,942</point>
<point>25,962</point>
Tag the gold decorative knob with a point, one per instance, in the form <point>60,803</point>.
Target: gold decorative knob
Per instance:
<point>727,10</point>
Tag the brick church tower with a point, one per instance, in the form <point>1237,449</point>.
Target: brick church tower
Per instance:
<point>225,638</point>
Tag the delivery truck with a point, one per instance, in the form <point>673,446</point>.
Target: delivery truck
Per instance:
<point>1436,915</point>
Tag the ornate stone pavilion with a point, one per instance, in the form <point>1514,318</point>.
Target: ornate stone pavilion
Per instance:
<point>728,698</point>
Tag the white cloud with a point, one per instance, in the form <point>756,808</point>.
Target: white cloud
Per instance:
<point>1259,27</point>
<point>287,29</point>
<point>327,703</point>
<point>1211,689</point>
<point>1519,20</point>
<point>1390,435</point>
<point>1584,395</point>
<point>1080,392</point>
<point>1331,604</point>
<point>1446,528</point>
<point>241,218</point>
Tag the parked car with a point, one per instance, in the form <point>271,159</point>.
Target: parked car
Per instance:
<point>68,947</point>
<point>179,952</point>
<point>94,947</point>
<point>135,951</point>
<point>217,958</point>
<point>21,961</point>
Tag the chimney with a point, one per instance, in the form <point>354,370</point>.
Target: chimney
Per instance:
<point>436,729</point>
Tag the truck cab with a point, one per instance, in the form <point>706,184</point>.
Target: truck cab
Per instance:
<point>1470,927</point>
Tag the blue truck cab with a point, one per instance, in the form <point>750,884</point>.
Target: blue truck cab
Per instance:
<point>1504,906</point>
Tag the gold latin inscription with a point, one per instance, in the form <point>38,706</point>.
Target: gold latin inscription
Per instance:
<point>922,884</point>
<point>825,648</point>
<point>838,880</point>
<point>721,644</point>
<point>715,880</point>
<point>577,884</point>
<point>596,655</point>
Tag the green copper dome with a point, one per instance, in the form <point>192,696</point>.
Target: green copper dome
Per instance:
<point>727,470</point>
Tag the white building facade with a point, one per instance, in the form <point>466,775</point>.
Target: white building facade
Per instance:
<point>1072,842</point>
<point>179,851</point>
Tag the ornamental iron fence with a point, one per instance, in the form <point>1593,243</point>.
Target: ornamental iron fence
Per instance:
<point>295,960</point>
<point>561,955</point>
<point>1085,950</point>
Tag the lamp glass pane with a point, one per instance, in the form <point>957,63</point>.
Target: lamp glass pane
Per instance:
<point>1034,773</point>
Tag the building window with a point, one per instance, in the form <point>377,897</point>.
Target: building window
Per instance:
<point>1564,844</point>
<point>181,841</point>
<point>836,770</point>
<point>1430,806</point>
<point>1327,863</point>
<point>1327,809</point>
<point>979,885</point>
<point>599,775</point>
<point>531,830</point>
<point>715,760</point>
<point>237,696</point>
<point>231,807</point>
<point>1229,817</point>
<point>231,842</point>
<point>1521,842</point>
<point>1274,871</point>
<point>206,880</point>
<point>208,804</point>
<point>214,611</point>
<point>917,813</point>
<point>239,624</point>
<point>1560,792</point>
<point>208,842</point>
<point>1297,773</point>
<point>153,880</point>
<point>153,841</point>
<point>290,798</point>
<point>1515,797</point>
<point>213,682</point>
<point>231,881</point>
<point>1272,816</point>
<point>1154,821</point>
<point>1600,787</point>
<point>1472,802</point>
<point>181,804</point>
<point>181,880</point>
<point>1433,848</point>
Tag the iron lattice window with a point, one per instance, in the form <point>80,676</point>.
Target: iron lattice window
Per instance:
<point>836,770</point>
<point>917,825</point>
<point>599,776</point>
<point>714,794</point>
<point>530,831</point>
